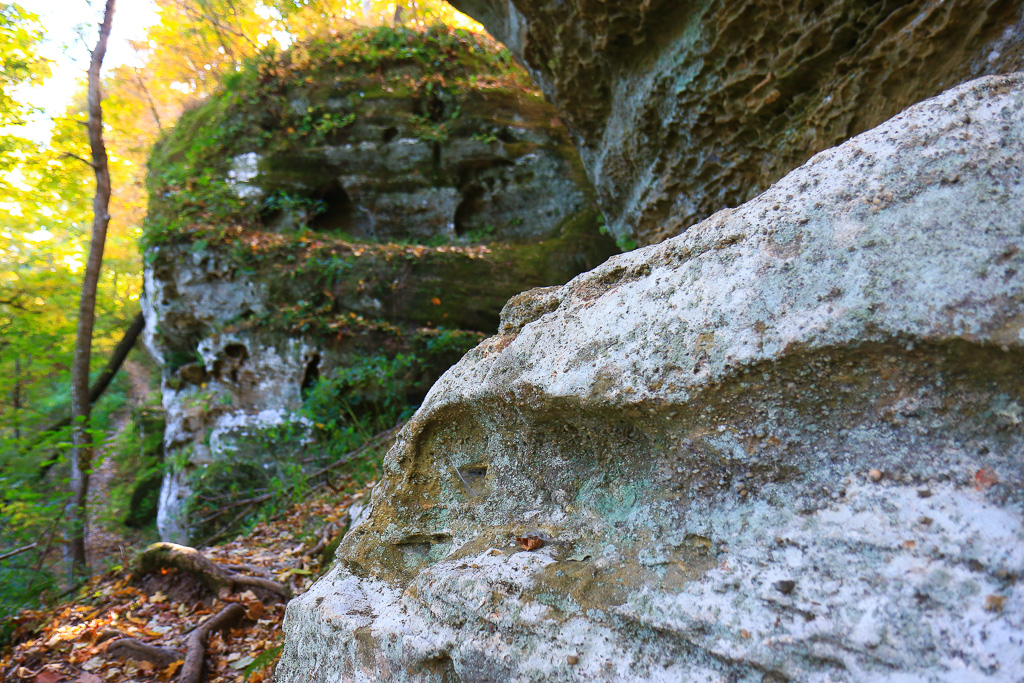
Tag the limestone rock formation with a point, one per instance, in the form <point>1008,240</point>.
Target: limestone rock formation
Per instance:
<point>785,445</point>
<point>369,203</point>
<point>684,108</point>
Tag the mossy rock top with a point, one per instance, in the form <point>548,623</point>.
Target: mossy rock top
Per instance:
<point>377,135</point>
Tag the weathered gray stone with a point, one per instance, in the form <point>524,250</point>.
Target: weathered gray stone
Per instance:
<point>786,445</point>
<point>346,206</point>
<point>680,109</point>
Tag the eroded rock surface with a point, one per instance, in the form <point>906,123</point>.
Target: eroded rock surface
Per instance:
<point>786,445</point>
<point>378,196</point>
<point>684,108</point>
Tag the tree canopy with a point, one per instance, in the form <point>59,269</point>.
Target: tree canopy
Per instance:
<point>45,204</point>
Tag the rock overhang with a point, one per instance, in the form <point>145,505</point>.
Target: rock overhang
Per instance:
<point>682,109</point>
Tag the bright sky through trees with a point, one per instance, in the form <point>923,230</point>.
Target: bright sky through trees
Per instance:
<point>63,21</point>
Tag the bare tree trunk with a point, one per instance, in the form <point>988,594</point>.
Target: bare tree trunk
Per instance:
<point>81,450</point>
<point>16,401</point>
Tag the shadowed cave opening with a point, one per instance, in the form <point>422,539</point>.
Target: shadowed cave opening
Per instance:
<point>230,361</point>
<point>471,204</point>
<point>340,212</point>
<point>310,376</point>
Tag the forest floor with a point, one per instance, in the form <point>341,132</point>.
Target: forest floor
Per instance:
<point>104,542</point>
<point>83,640</point>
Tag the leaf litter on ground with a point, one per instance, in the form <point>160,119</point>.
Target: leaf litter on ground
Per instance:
<point>68,643</point>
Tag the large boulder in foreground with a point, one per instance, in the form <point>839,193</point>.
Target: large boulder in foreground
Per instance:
<point>684,108</point>
<point>786,445</point>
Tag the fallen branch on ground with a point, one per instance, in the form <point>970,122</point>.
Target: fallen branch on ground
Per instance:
<point>216,576</point>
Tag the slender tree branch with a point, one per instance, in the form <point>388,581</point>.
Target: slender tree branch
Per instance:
<point>69,155</point>
<point>43,554</point>
<point>149,99</point>
<point>18,551</point>
<point>103,381</point>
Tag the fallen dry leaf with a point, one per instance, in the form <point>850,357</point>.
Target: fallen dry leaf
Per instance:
<point>529,543</point>
<point>253,609</point>
<point>56,643</point>
<point>994,603</point>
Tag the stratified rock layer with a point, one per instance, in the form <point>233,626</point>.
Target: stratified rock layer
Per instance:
<point>379,196</point>
<point>684,108</point>
<point>786,445</point>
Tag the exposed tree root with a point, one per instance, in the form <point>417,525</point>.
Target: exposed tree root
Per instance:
<point>217,577</point>
<point>136,650</point>
<point>192,669</point>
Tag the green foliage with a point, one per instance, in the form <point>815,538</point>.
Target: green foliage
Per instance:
<point>319,124</point>
<point>280,201</point>
<point>623,242</point>
<point>32,507</point>
<point>137,451</point>
<point>265,659</point>
<point>364,396</point>
<point>361,399</point>
<point>485,137</point>
<point>20,65</point>
<point>484,233</point>
<point>377,391</point>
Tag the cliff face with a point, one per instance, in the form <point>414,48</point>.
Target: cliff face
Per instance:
<point>785,445</point>
<point>330,233</point>
<point>680,109</point>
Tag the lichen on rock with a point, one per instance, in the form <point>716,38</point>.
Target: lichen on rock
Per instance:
<point>350,214</point>
<point>785,445</point>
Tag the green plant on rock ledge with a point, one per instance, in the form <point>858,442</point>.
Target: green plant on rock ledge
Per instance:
<point>301,208</point>
<point>376,392</point>
<point>320,125</point>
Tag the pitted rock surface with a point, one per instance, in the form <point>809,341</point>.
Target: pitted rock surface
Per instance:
<point>785,445</point>
<point>680,109</point>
